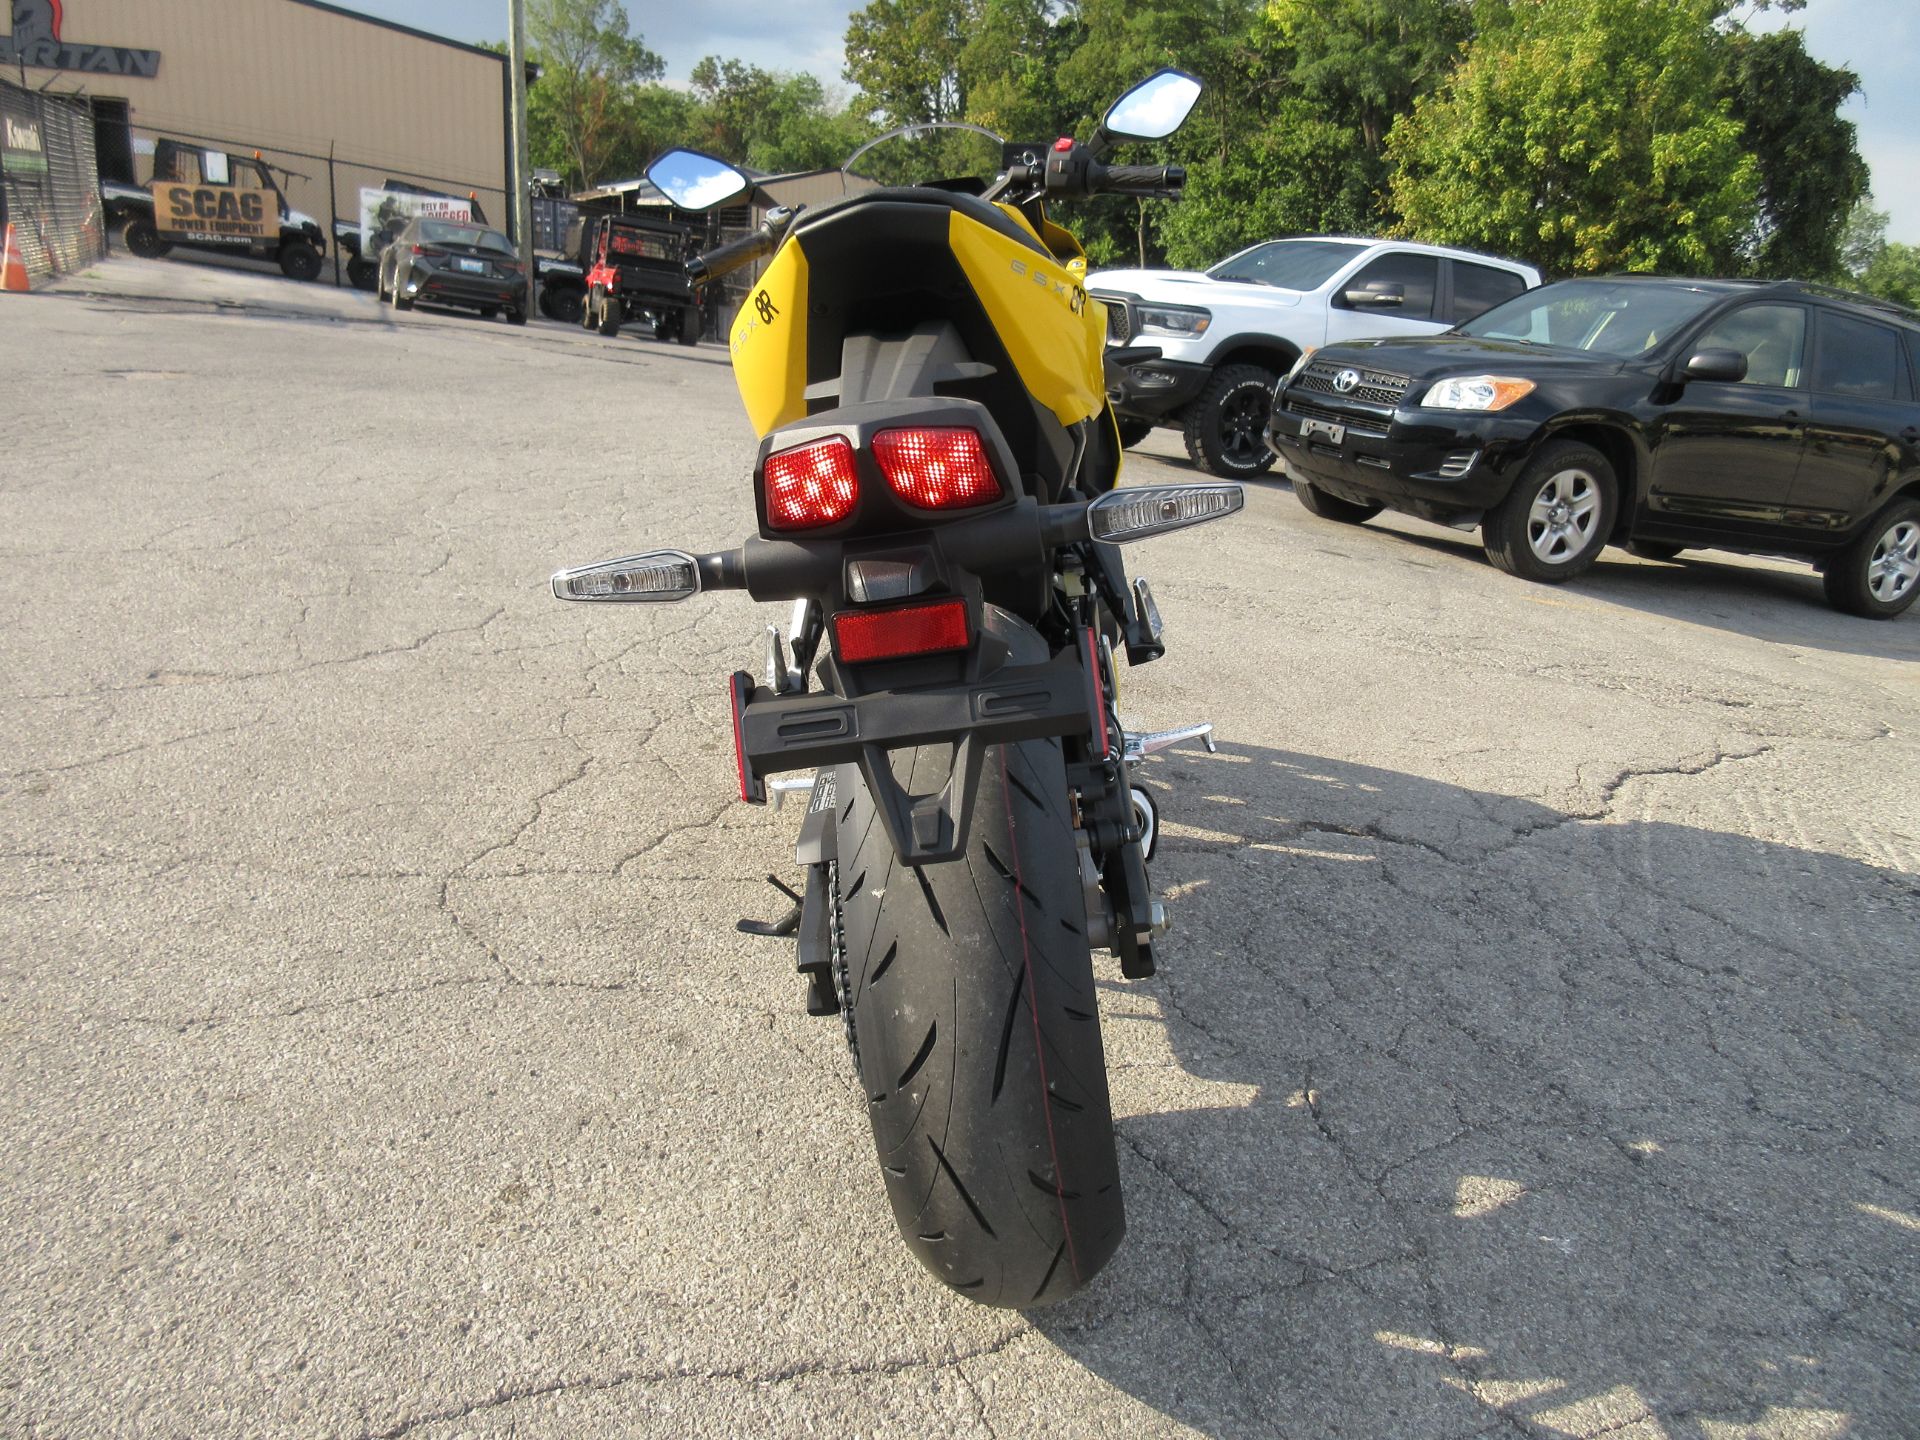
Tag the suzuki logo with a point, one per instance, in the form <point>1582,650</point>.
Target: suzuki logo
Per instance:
<point>1347,381</point>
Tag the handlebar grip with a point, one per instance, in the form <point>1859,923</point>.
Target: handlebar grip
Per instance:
<point>1137,179</point>
<point>731,256</point>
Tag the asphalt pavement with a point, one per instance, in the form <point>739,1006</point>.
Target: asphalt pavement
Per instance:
<point>1534,1051</point>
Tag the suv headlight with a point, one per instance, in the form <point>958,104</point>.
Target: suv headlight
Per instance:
<point>1173,319</point>
<point>1476,392</point>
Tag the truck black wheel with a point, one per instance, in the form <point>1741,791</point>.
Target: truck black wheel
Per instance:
<point>362,274</point>
<point>562,303</point>
<point>689,326</point>
<point>1132,431</point>
<point>1332,507</point>
<point>299,260</point>
<point>971,991</point>
<point>141,239</point>
<point>1226,427</point>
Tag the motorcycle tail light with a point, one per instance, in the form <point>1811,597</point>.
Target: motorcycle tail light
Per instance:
<point>863,635</point>
<point>936,468</point>
<point>811,485</point>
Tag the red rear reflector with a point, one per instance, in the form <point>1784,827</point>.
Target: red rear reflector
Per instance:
<point>864,635</point>
<point>936,469</point>
<point>811,485</point>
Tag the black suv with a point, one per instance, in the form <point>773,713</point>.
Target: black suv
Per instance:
<point>1775,418</point>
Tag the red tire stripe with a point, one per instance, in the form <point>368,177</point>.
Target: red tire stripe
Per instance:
<point>1033,1009</point>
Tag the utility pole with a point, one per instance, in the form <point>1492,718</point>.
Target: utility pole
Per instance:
<point>520,183</point>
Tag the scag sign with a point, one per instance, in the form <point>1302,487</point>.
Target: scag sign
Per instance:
<point>219,213</point>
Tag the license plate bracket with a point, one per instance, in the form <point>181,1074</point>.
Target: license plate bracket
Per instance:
<point>1323,430</point>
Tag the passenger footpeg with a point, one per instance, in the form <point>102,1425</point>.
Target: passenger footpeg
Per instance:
<point>1148,742</point>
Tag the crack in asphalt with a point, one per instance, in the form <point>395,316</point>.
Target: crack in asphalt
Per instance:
<point>746,1375</point>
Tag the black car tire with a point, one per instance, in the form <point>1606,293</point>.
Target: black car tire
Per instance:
<point>610,316</point>
<point>516,317</point>
<point>1132,432</point>
<point>689,326</point>
<point>1574,488</point>
<point>299,261</point>
<point>1332,507</point>
<point>142,239</point>
<point>1878,575</point>
<point>362,274</point>
<point>1653,549</point>
<point>487,312</point>
<point>1226,426</point>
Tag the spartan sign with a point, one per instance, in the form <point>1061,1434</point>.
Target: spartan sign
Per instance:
<point>36,43</point>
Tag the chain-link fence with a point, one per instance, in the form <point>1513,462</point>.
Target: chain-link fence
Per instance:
<point>334,191</point>
<point>51,187</point>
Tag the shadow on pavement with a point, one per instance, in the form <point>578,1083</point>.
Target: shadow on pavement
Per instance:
<point>1508,1116</point>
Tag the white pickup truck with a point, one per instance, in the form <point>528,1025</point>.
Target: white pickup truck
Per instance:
<point>1200,351</point>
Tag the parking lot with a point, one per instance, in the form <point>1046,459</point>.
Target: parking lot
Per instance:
<point>1534,1051</point>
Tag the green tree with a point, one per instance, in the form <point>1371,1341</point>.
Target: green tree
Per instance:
<point>905,57</point>
<point>1863,237</point>
<point>1810,172</point>
<point>1895,274</point>
<point>590,63</point>
<point>771,121</point>
<point>1586,135</point>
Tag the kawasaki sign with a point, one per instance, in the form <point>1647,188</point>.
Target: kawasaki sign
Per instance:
<point>21,152</point>
<point>37,44</point>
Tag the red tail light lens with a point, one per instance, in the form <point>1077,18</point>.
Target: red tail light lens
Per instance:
<point>811,485</point>
<point>936,469</point>
<point>863,635</point>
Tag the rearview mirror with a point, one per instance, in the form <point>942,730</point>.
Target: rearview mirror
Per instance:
<point>697,182</point>
<point>1153,109</point>
<point>1728,367</point>
<point>1380,292</point>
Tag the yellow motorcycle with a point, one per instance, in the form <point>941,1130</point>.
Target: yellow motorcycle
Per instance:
<point>935,489</point>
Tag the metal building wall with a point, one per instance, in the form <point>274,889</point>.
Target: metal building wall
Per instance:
<point>301,81</point>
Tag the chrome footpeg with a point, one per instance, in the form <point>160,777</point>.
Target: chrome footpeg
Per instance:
<point>781,786</point>
<point>1148,742</point>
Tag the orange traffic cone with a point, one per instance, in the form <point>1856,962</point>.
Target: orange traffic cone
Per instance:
<point>13,270</point>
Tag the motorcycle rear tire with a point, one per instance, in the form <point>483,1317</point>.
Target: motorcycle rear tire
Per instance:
<point>972,1001</point>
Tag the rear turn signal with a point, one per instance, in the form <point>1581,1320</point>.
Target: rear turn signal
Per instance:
<point>863,635</point>
<point>811,485</point>
<point>936,469</point>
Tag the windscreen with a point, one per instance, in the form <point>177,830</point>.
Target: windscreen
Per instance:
<point>441,232</point>
<point>1287,264</point>
<point>1609,317</point>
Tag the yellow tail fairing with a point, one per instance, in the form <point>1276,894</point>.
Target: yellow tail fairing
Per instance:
<point>887,268</point>
<point>769,342</point>
<point>1053,332</point>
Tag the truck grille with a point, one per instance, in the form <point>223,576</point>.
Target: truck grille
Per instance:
<point>1360,424</point>
<point>1119,316</point>
<point>1376,387</point>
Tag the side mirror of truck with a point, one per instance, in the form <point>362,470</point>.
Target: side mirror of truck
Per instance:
<point>1375,294</point>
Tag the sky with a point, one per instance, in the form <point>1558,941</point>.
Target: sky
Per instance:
<point>1879,40</point>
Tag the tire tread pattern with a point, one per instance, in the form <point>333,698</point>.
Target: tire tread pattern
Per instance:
<point>986,1086</point>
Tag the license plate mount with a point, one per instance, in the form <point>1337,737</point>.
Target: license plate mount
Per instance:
<point>1323,430</point>
<point>474,267</point>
